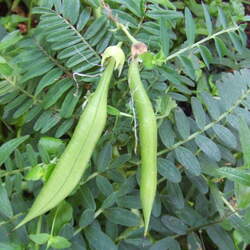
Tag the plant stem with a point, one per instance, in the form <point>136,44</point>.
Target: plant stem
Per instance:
<point>14,4</point>
<point>176,54</point>
<point>97,213</point>
<point>117,23</point>
<point>229,206</point>
<point>16,171</point>
<point>192,229</point>
<point>38,230</point>
<point>13,83</point>
<point>208,126</point>
<point>52,229</point>
<point>51,58</point>
<point>7,126</point>
<point>90,178</point>
<point>2,223</point>
<point>30,14</point>
<point>79,35</point>
<point>125,30</point>
<point>245,1</point>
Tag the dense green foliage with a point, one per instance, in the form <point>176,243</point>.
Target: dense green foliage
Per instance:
<point>196,74</point>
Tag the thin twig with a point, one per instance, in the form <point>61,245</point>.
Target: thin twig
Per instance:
<point>197,228</point>
<point>2,223</point>
<point>206,39</point>
<point>30,15</point>
<point>79,35</point>
<point>65,70</point>
<point>116,21</point>
<point>12,172</point>
<point>9,80</point>
<point>208,126</point>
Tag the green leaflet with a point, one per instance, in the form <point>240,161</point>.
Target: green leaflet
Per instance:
<point>238,175</point>
<point>73,162</point>
<point>8,147</point>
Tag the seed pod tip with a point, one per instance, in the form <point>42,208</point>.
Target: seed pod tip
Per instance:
<point>116,53</point>
<point>138,48</point>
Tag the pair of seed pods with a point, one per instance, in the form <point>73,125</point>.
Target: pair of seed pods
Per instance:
<point>76,156</point>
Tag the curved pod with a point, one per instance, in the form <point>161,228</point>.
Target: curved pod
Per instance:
<point>76,156</point>
<point>148,141</point>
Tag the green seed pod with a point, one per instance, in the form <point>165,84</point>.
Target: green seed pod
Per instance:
<point>76,156</point>
<point>147,140</point>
